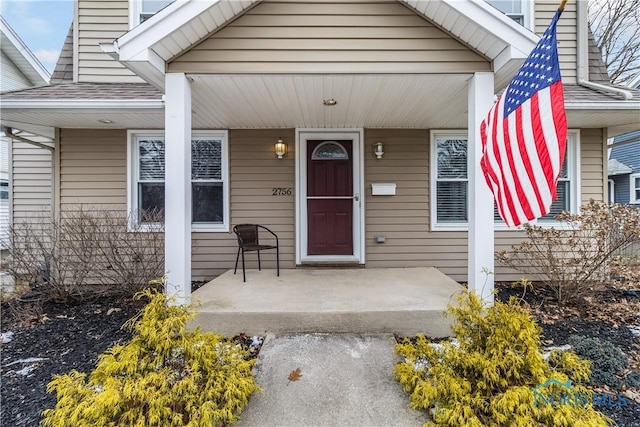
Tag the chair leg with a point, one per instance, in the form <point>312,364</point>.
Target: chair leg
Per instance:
<point>259,268</point>
<point>244,275</point>
<point>237,256</point>
<point>278,260</point>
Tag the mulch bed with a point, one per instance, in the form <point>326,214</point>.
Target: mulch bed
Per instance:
<point>606,314</point>
<point>55,340</point>
<point>62,337</point>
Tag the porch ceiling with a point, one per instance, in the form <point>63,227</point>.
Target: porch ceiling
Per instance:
<point>284,101</point>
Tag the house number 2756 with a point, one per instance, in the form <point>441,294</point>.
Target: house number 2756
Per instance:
<point>281,191</point>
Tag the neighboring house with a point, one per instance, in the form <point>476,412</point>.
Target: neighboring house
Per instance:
<point>624,164</point>
<point>376,102</point>
<point>19,69</point>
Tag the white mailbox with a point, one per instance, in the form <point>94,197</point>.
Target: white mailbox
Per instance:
<point>383,189</point>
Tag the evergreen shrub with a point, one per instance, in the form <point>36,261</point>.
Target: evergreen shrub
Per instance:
<point>165,376</point>
<point>607,361</point>
<point>488,374</point>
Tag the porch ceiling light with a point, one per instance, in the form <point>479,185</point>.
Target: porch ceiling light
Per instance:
<point>280,148</point>
<point>329,102</point>
<point>378,149</point>
<point>106,121</point>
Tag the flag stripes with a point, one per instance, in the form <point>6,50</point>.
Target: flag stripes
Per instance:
<point>524,136</point>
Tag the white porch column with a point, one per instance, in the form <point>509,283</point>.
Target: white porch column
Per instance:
<point>481,227</point>
<point>177,223</point>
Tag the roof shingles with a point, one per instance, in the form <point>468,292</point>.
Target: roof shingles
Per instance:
<point>63,72</point>
<point>87,91</point>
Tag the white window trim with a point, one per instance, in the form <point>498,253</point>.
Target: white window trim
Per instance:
<point>433,175</point>
<point>573,171</point>
<point>135,9</point>
<point>135,6</point>
<point>632,189</point>
<point>132,173</point>
<point>528,10</point>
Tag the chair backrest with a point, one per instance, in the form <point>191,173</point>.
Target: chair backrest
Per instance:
<point>247,234</point>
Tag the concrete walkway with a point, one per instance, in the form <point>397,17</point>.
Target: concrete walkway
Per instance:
<point>347,380</point>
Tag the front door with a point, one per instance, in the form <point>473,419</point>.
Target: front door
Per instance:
<point>330,212</point>
<point>330,197</point>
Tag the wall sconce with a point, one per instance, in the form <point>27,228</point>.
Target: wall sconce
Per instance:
<point>280,148</point>
<point>378,149</point>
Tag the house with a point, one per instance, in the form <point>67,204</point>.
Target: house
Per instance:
<point>624,164</point>
<point>19,69</point>
<point>351,129</point>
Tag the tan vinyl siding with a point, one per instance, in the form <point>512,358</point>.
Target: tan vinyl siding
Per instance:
<point>404,218</point>
<point>93,169</point>
<point>31,181</point>
<point>254,172</point>
<point>296,37</point>
<point>101,21</point>
<point>592,165</point>
<point>567,34</point>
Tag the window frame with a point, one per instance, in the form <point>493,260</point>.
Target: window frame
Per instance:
<point>4,190</point>
<point>573,174</point>
<point>632,188</point>
<point>133,165</point>
<point>527,13</point>
<point>135,10</point>
<point>433,175</point>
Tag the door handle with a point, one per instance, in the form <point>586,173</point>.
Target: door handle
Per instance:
<point>356,197</point>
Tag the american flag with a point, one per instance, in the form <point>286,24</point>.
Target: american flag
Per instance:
<point>524,137</point>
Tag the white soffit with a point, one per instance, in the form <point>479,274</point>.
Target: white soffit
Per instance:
<point>368,100</point>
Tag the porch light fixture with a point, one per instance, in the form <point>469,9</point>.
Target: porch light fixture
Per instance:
<point>329,102</point>
<point>106,121</point>
<point>378,149</point>
<point>280,148</point>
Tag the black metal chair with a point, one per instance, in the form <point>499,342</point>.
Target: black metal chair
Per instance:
<point>248,241</point>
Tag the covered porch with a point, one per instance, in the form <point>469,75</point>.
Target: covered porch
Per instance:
<point>405,301</point>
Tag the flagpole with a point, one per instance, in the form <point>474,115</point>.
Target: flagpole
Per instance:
<point>562,4</point>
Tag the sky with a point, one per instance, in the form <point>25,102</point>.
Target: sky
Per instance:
<point>41,24</point>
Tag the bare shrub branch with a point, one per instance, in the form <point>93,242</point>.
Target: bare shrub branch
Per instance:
<point>571,258</point>
<point>86,254</point>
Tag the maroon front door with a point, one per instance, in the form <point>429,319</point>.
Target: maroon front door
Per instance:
<point>330,197</point>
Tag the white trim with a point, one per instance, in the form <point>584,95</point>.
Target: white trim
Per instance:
<point>632,188</point>
<point>433,175</point>
<point>226,200</point>
<point>132,180</point>
<point>302,136</point>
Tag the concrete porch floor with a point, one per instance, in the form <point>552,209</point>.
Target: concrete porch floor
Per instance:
<point>406,301</point>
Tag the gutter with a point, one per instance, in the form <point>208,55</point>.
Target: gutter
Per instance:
<point>583,56</point>
<point>9,132</point>
<point>54,182</point>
